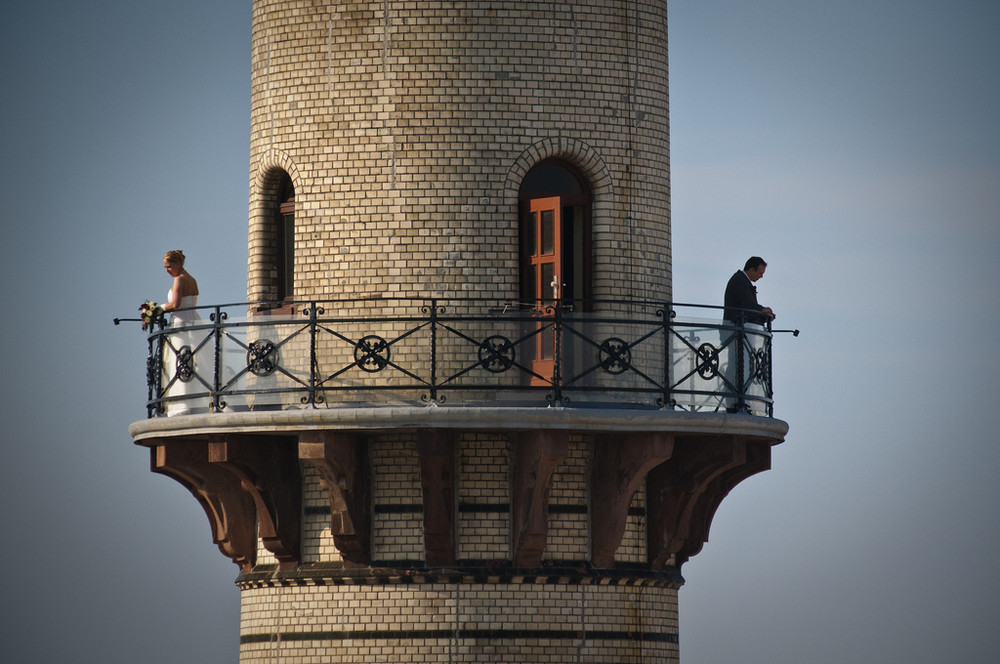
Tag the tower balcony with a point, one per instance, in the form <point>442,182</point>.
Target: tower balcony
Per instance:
<point>329,439</point>
<point>387,352</point>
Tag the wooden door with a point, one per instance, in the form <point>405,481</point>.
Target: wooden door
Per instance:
<point>544,230</point>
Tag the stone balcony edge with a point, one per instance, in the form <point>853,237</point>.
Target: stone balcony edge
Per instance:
<point>375,418</point>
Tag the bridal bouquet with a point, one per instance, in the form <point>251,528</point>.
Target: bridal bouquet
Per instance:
<point>150,312</point>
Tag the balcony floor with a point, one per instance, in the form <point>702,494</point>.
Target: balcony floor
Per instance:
<point>461,417</point>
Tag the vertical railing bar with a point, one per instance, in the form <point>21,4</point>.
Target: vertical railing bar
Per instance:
<point>667,315</point>
<point>217,368</point>
<point>161,343</point>
<point>770,364</point>
<point>150,364</point>
<point>557,354</point>
<point>313,360</point>
<point>433,314</point>
<point>741,382</point>
<point>154,369</point>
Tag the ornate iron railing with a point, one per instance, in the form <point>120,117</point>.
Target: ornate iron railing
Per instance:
<point>388,351</point>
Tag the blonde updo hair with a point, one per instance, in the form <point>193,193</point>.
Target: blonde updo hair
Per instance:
<point>175,256</point>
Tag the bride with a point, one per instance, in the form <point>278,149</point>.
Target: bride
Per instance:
<point>181,300</point>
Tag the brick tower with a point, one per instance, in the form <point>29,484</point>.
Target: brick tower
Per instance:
<point>460,419</point>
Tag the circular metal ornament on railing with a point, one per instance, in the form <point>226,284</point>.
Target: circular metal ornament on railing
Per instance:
<point>615,356</point>
<point>371,353</point>
<point>497,354</point>
<point>708,361</point>
<point>262,357</point>
<point>185,364</point>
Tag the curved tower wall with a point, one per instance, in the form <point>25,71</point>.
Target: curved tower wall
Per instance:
<point>407,128</point>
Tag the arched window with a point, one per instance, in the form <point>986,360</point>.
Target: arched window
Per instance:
<point>555,235</point>
<point>555,203</point>
<point>284,220</point>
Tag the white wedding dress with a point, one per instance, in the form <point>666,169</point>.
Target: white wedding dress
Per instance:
<point>177,340</point>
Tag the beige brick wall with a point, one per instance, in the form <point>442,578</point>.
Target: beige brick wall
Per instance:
<point>483,530</point>
<point>474,623</point>
<point>397,527</point>
<point>406,128</point>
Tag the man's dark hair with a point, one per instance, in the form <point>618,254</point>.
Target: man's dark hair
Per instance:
<point>754,262</point>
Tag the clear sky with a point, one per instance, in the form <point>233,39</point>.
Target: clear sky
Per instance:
<point>854,144</point>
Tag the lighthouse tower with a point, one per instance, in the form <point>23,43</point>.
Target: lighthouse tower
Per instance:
<point>460,418</point>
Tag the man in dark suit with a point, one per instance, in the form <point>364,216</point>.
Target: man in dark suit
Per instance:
<point>742,294</point>
<point>742,307</point>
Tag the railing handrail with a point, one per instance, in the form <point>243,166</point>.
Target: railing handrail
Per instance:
<point>282,307</point>
<point>632,335</point>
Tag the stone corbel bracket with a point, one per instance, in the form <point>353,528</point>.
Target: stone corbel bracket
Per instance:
<point>683,494</point>
<point>436,451</point>
<point>230,510</point>
<point>621,464</point>
<point>268,468</point>
<point>536,457</point>
<point>341,459</point>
